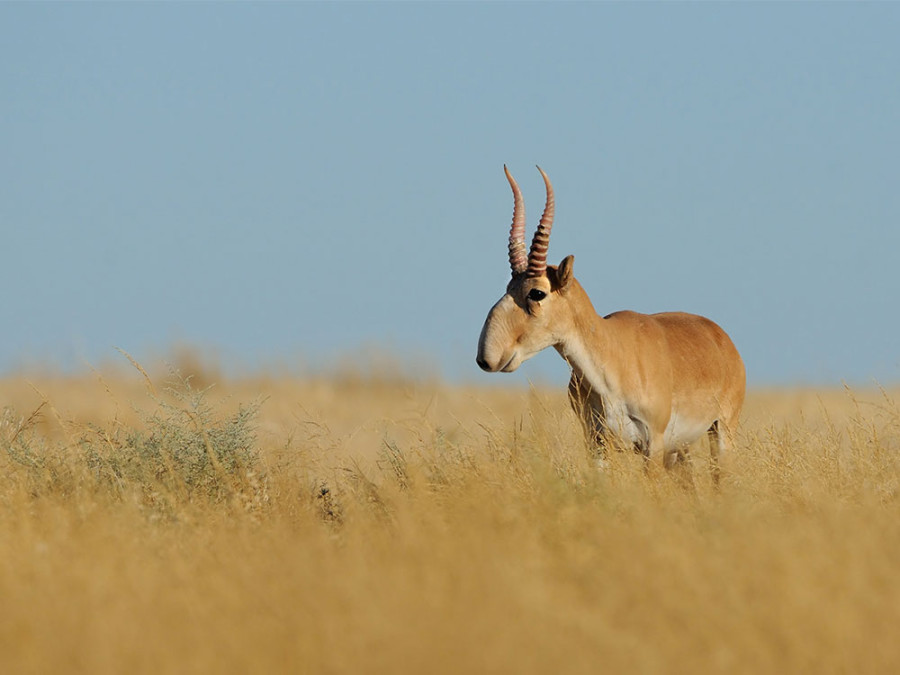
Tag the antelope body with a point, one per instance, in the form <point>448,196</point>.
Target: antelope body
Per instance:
<point>656,382</point>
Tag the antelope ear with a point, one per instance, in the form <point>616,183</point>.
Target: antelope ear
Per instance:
<point>564,272</point>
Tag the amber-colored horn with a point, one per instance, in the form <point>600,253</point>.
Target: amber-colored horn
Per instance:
<point>518,260</point>
<point>537,259</point>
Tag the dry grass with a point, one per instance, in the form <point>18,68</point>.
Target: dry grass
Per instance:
<point>376,525</point>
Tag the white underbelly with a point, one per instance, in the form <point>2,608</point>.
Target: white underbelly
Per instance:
<point>630,428</point>
<point>683,430</point>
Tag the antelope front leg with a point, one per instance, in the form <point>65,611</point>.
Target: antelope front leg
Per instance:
<point>588,406</point>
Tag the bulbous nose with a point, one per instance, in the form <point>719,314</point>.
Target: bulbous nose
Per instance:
<point>482,363</point>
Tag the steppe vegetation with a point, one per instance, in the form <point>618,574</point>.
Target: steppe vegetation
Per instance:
<point>367,523</point>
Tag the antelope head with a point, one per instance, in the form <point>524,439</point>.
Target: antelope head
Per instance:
<point>534,313</point>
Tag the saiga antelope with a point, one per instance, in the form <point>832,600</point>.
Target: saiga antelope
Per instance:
<point>654,381</point>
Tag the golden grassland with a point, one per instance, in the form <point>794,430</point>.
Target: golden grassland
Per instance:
<point>381,525</point>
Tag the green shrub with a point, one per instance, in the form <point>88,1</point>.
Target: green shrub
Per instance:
<point>183,453</point>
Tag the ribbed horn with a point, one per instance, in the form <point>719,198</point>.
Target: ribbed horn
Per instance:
<point>518,260</point>
<point>537,259</point>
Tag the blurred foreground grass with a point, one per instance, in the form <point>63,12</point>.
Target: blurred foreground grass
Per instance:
<point>372,524</point>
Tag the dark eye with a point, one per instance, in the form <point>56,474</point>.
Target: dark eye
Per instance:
<point>536,294</point>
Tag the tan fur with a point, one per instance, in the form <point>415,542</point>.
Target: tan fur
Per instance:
<point>657,382</point>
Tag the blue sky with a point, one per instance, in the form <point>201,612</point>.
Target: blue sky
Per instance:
<point>289,183</point>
